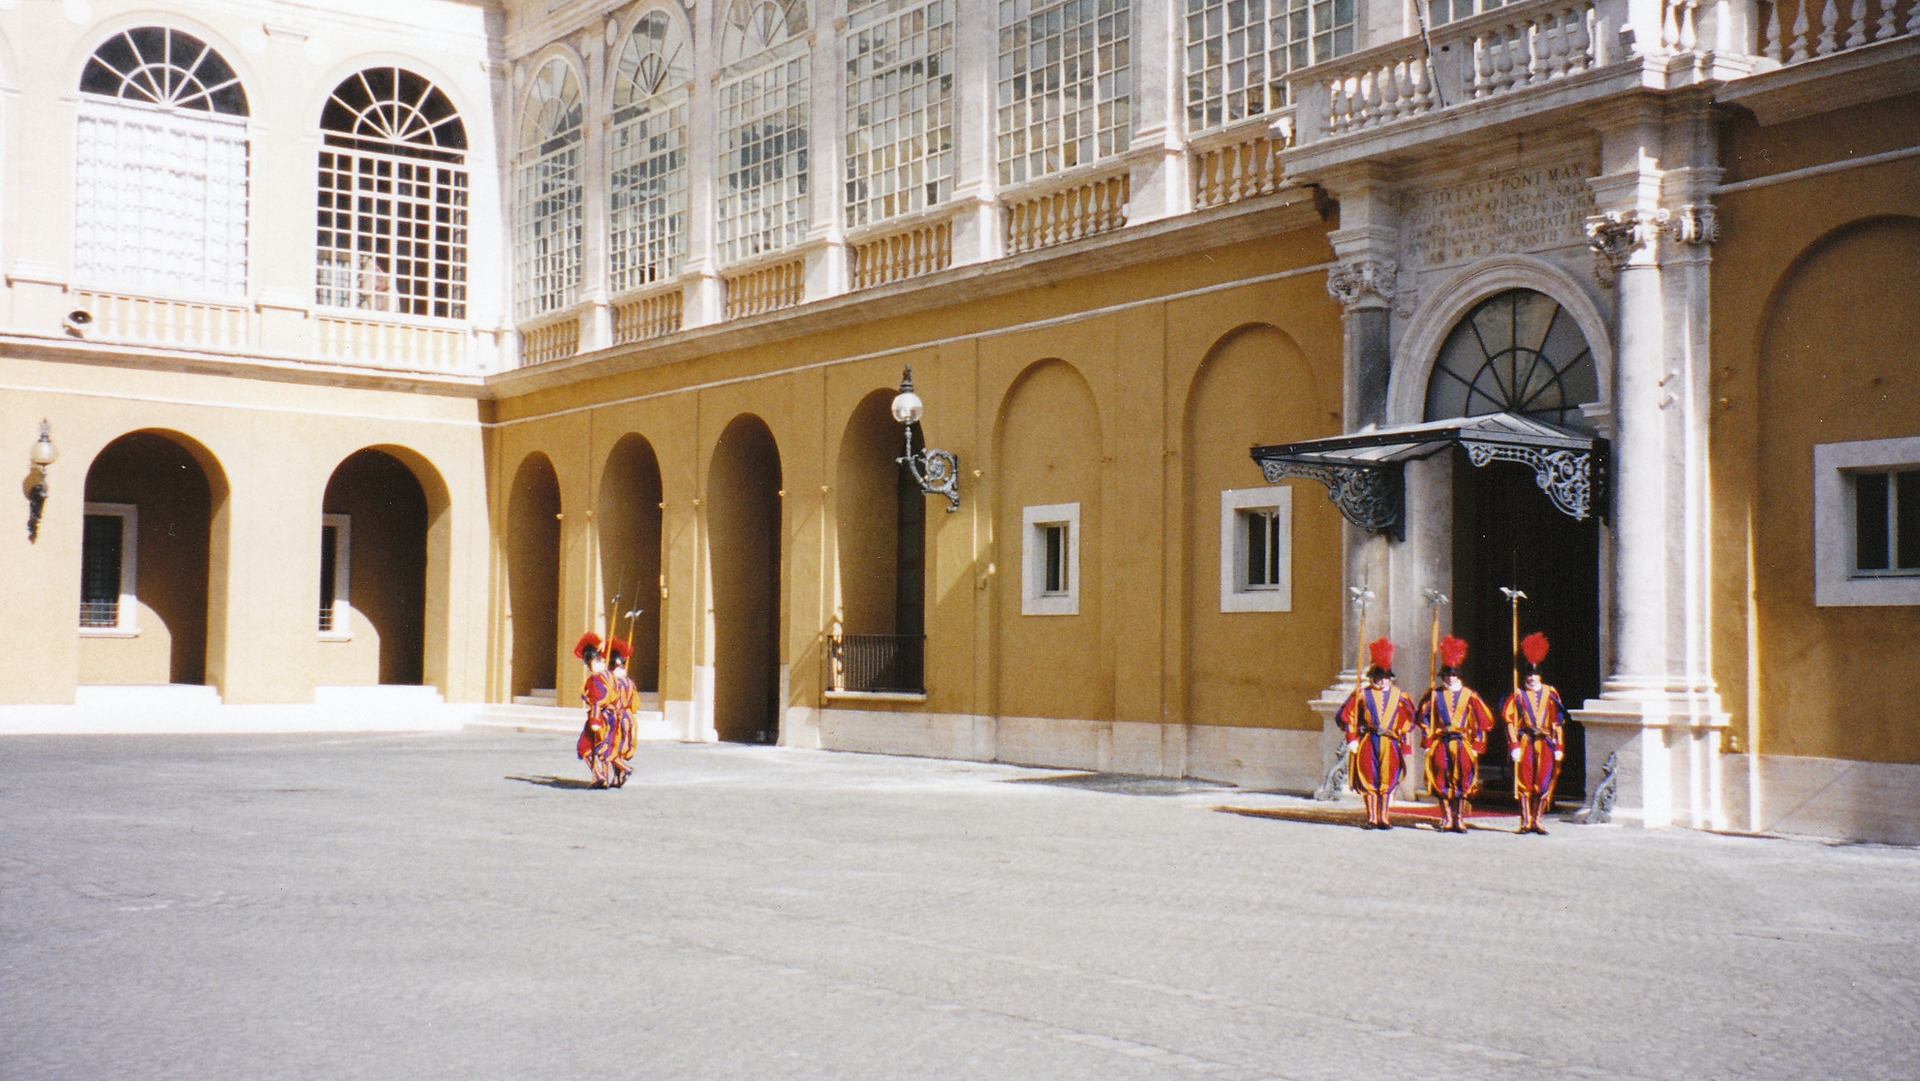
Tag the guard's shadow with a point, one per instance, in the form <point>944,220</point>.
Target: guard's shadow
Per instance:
<point>553,782</point>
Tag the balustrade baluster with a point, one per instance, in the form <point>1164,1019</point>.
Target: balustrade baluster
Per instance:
<point>1913,18</point>
<point>1801,30</point>
<point>1884,28</point>
<point>1829,27</point>
<point>1857,35</point>
<point>1770,46</point>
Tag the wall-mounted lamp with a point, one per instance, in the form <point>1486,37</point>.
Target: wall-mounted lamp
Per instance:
<point>936,471</point>
<point>44,454</point>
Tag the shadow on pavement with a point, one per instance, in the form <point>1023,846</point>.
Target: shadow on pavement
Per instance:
<point>1124,784</point>
<point>554,782</point>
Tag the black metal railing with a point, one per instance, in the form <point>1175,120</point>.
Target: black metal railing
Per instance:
<point>877,662</point>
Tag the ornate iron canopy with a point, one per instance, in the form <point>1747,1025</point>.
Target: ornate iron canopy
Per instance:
<point>1364,472</point>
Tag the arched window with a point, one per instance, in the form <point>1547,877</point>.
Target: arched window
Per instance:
<point>548,227</point>
<point>647,186</point>
<point>393,198</point>
<point>900,100</point>
<point>763,114</point>
<point>160,168</point>
<point>1066,84</point>
<point>1515,352</point>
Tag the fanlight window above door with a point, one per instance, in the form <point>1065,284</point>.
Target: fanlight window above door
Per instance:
<point>1516,352</point>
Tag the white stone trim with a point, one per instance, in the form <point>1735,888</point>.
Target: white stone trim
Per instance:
<point>1443,306</point>
<point>1834,584</point>
<point>1236,594</point>
<point>342,601</point>
<point>1034,599</point>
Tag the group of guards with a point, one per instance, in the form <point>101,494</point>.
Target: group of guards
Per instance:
<point>606,742</point>
<point>1379,717</point>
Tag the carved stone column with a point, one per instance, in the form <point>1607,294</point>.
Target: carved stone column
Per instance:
<point>1658,711</point>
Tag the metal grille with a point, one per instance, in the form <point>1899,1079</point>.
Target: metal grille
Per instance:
<point>101,545</point>
<point>878,662</point>
<point>900,98</point>
<point>1066,89</point>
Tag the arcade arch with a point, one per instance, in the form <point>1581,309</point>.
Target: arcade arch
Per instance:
<point>381,515</point>
<point>744,526</point>
<point>630,515</point>
<point>533,575</point>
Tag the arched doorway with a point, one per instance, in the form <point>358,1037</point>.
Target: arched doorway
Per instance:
<point>880,518</point>
<point>146,559</point>
<point>373,572</point>
<point>533,574</point>
<point>743,542</point>
<point>1521,352</point>
<point>630,575</point>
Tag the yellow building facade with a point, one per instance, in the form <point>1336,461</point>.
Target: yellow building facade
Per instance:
<point>387,349</point>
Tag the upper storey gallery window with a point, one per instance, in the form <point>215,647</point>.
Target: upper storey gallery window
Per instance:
<point>393,198</point>
<point>160,168</point>
<point>548,224</point>
<point>763,128</point>
<point>647,189</point>
<point>1066,84</point>
<point>1240,52</point>
<point>899,107</point>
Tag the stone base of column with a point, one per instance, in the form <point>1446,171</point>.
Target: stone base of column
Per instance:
<point>1667,755</point>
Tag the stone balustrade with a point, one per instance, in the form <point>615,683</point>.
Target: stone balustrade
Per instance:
<point>382,344</point>
<point>1801,30</point>
<point>766,288</point>
<point>548,342</point>
<point>1236,165</point>
<point>922,249</point>
<point>190,324</point>
<point>643,318</point>
<point>1073,211</point>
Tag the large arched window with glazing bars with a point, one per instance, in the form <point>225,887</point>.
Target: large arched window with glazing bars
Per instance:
<point>1241,52</point>
<point>900,106</point>
<point>763,114</point>
<point>647,156</point>
<point>393,198</point>
<point>1065,84</point>
<point>548,219</point>
<point>160,184</point>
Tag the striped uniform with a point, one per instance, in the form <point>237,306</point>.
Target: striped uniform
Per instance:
<point>1535,724</point>
<point>1379,722</point>
<point>1455,724</point>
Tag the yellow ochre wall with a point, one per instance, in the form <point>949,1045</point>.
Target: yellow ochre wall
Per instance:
<point>268,448</point>
<point>1078,386</point>
<point>1816,334</point>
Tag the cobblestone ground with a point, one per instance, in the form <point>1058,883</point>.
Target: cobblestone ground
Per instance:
<point>457,906</point>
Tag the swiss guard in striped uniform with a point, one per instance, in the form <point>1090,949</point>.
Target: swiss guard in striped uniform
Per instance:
<point>1455,722</point>
<point>1377,719</point>
<point>625,696</point>
<point>1536,722</point>
<point>601,695</point>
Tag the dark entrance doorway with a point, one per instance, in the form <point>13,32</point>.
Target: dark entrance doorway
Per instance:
<point>743,530</point>
<point>1506,532</point>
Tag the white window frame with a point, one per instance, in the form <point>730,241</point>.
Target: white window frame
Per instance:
<point>1835,585</point>
<point>128,615</point>
<point>1034,599</point>
<point>342,577</point>
<point>1237,593</point>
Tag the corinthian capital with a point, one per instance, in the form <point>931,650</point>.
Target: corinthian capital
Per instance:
<point>1615,235</point>
<point>1693,223</point>
<point>1363,283</point>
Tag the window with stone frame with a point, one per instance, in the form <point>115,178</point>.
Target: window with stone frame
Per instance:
<point>647,156</point>
<point>161,168</point>
<point>1065,94</point>
<point>762,108</point>
<point>900,107</point>
<point>392,212</point>
<point>1240,53</point>
<point>549,219</point>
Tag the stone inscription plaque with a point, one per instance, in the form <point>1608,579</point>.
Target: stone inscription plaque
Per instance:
<point>1519,211</point>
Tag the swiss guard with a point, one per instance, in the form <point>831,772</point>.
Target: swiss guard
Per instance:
<point>1536,721</point>
<point>1454,722</point>
<point>1377,719</point>
<point>601,695</point>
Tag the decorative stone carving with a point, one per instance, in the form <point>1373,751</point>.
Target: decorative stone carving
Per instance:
<point>1693,223</point>
<point>1363,283</point>
<point>1615,235</point>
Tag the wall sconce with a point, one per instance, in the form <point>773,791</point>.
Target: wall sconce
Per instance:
<point>44,454</point>
<point>936,471</point>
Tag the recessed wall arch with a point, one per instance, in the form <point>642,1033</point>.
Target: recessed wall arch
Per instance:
<point>629,518</point>
<point>745,529</point>
<point>1442,308</point>
<point>532,547</point>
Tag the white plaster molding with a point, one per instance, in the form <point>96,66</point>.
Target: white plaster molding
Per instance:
<point>1834,583</point>
<point>1442,306</point>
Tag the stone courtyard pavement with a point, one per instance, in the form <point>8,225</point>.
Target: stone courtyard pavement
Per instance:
<point>458,906</point>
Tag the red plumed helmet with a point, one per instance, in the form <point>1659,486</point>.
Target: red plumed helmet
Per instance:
<point>619,648</point>
<point>1452,651</point>
<point>1381,651</point>
<point>588,641</point>
<point>1534,648</point>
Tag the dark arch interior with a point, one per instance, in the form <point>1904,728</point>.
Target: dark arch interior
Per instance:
<point>533,573</point>
<point>387,511</point>
<point>173,545</point>
<point>743,526</point>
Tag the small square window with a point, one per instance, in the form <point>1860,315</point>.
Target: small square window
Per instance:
<point>1256,550</point>
<point>1866,527</point>
<point>1050,557</point>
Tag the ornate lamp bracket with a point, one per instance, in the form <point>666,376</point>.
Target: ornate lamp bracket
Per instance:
<point>1372,497</point>
<point>936,471</point>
